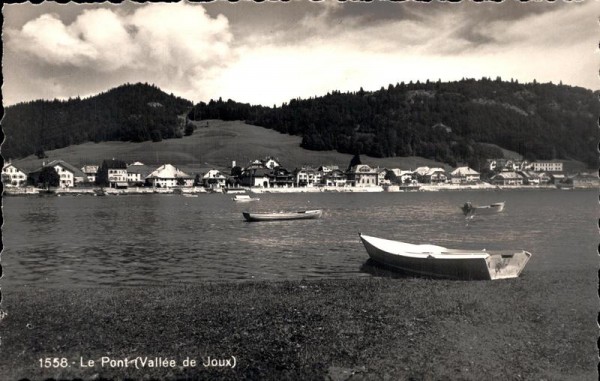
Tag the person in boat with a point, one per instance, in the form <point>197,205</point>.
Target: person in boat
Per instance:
<point>467,208</point>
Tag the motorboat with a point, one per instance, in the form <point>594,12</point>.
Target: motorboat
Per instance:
<point>440,262</point>
<point>280,216</point>
<point>470,209</point>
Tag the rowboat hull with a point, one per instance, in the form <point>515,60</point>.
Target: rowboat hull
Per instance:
<point>300,215</point>
<point>483,210</point>
<point>440,262</point>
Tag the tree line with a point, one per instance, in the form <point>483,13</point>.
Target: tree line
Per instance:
<point>445,121</point>
<point>132,112</point>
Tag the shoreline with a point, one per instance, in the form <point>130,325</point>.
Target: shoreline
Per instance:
<point>98,191</point>
<point>386,327</point>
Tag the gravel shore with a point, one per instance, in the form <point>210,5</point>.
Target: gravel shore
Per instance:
<point>540,326</point>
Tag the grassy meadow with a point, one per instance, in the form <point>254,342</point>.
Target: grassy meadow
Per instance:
<point>537,327</point>
<point>216,144</point>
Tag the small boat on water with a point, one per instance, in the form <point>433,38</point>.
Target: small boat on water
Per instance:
<point>281,216</point>
<point>244,198</point>
<point>469,209</point>
<point>189,195</point>
<point>440,262</point>
<point>234,190</point>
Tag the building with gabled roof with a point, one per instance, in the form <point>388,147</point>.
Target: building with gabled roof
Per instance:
<point>112,173</point>
<point>213,179</point>
<point>362,175</point>
<point>68,174</point>
<point>13,176</point>
<point>464,175</point>
<point>169,176</point>
<point>137,173</point>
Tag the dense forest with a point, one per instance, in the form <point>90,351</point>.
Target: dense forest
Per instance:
<point>138,112</point>
<point>445,121</point>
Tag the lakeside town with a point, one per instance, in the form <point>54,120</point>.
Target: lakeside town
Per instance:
<point>114,176</point>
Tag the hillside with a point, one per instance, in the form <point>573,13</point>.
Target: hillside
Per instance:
<point>215,146</point>
<point>464,121</point>
<point>137,112</point>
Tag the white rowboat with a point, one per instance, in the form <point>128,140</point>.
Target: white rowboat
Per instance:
<point>244,198</point>
<point>281,216</point>
<point>440,262</point>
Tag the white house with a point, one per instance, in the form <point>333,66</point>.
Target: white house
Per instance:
<point>464,175</point>
<point>13,176</point>
<point>90,171</point>
<point>403,176</point>
<point>137,173</point>
<point>431,175</point>
<point>362,176</point>
<point>69,175</point>
<point>213,179</point>
<point>334,178</point>
<point>168,176</point>
<point>507,178</point>
<point>547,166</point>
<point>307,177</point>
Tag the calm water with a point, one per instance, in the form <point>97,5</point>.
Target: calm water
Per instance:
<point>164,239</point>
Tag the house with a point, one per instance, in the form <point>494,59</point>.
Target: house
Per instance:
<point>334,178</point>
<point>534,178</point>
<point>464,175</point>
<point>69,175</point>
<point>507,178</point>
<point>403,177</point>
<point>306,177</point>
<point>327,168</point>
<point>362,176</point>
<point>270,163</point>
<point>255,177</point>
<point>213,179</point>
<point>547,166</point>
<point>557,178</point>
<point>90,171</point>
<point>584,180</point>
<point>137,173</point>
<point>168,176</point>
<point>431,175</point>
<point>13,176</point>
<point>280,177</point>
<point>112,173</point>
<point>381,176</point>
<point>509,165</point>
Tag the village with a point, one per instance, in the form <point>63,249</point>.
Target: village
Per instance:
<point>114,176</point>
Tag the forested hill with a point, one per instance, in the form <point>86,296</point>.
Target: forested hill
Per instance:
<point>436,120</point>
<point>137,112</point>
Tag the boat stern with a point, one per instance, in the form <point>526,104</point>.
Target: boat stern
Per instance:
<point>507,265</point>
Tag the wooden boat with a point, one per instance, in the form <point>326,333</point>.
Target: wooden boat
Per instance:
<point>280,216</point>
<point>244,198</point>
<point>469,209</point>
<point>440,262</point>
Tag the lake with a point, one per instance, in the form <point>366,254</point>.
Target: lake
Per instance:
<point>149,240</point>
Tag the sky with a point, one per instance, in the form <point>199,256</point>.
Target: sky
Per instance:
<point>270,52</point>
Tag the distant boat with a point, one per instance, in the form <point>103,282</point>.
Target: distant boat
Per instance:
<point>469,209</point>
<point>244,198</point>
<point>189,195</point>
<point>234,190</point>
<point>440,262</point>
<point>280,216</point>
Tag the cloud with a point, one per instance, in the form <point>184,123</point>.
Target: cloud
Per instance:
<point>159,43</point>
<point>271,53</point>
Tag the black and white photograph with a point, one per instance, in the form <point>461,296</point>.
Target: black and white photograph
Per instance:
<point>300,190</point>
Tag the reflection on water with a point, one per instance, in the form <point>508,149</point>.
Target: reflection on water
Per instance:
<point>159,239</point>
